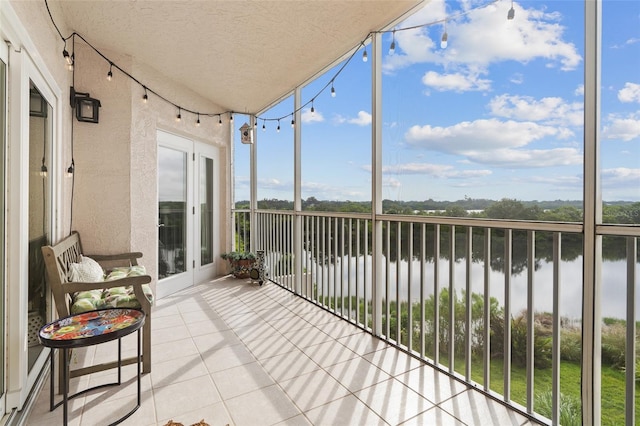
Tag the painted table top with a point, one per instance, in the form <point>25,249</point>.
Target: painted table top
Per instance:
<point>91,328</point>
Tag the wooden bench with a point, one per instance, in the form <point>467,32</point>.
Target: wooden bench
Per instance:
<point>59,257</point>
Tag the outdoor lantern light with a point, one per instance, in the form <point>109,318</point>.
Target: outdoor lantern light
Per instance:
<point>87,108</point>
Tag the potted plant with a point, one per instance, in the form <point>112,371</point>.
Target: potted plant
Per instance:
<point>241,262</point>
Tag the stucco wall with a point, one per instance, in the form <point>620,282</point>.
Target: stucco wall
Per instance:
<point>115,188</point>
<point>115,201</point>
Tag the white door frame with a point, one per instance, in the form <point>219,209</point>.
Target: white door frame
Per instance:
<point>25,64</point>
<point>195,272</point>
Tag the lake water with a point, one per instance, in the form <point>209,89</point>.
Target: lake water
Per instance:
<point>613,300</point>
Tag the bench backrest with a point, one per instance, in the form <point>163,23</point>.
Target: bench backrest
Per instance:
<point>57,260</point>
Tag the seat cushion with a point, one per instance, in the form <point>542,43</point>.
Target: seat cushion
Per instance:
<point>116,297</point>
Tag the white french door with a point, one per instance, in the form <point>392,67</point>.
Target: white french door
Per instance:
<point>187,212</point>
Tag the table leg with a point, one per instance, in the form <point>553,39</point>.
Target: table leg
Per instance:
<point>65,386</point>
<point>52,378</point>
<point>139,386</point>
<point>119,361</point>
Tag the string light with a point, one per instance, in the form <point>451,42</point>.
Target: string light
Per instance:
<point>313,110</point>
<point>293,122</point>
<point>278,129</point>
<point>264,126</point>
<point>392,48</point>
<point>71,169</point>
<point>198,121</point>
<point>69,58</point>
<point>511,13</point>
<point>73,60</point>
<point>43,169</point>
<point>445,37</point>
<point>65,54</point>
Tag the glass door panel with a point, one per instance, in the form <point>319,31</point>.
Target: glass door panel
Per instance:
<point>206,211</point>
<point>40,132</point>
<point>172,212</point>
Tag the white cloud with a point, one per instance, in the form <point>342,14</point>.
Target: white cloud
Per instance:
<point>535,34</point>
<point>630,93</point>
<point>455,81</point>
<point>626,43</point>
<point>324,191</point>
<point>436,170</point>
<point>308,117</point>
<point>622,127</point>
<point>551,110</point>
<point>621,176</point>
<point>363,119</point>
<point>480,135</point>
<point>517,78</point>
<point>520,158</point>
<point>389,182</point>
<point>495,142</point>
<point>579,90</point>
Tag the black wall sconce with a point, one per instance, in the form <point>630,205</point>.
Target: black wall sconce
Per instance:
<point>87,108</point>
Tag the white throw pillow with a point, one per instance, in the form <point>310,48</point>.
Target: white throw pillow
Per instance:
<point>88,270</point>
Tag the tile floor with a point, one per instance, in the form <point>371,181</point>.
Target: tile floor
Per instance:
<point>235,353</point>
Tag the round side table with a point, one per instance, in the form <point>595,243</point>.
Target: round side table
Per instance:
<point>87,329</point>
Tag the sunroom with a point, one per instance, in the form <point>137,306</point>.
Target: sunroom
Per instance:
<point>456,181</point>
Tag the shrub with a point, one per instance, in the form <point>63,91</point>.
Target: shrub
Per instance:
<point>570,408</point>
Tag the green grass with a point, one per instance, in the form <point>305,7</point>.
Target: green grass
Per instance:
<point>613,385</point>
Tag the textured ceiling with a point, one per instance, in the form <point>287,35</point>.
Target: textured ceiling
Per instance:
<point>241,54</point>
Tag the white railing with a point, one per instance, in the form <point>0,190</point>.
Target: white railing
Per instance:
<point>516,298</point>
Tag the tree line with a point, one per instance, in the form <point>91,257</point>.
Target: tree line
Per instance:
<point>622,212</point>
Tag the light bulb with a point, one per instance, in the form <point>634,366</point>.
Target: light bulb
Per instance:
<point>278,129</point>
<point>198,121</point>
<point>365,58</point>
<point>333,91</point>
<point>512,13</point>
<point>264,127</point>
<point>66,56</point>
<point>293,123</point>
<point>313,110</point>
<point>219,121</point>
<point>179,116</point>
<point>70,65</point>
<point>145,97</point>
<point>110,73</point>
<point>70,170</point>
<point>443,40</point>
<point>231,117</point>
<point>43,169</point>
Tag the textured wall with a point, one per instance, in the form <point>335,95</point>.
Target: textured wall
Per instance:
<point>115,202</point>
<point>115,187</point>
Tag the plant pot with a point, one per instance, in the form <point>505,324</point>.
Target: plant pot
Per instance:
<point>241,268</point>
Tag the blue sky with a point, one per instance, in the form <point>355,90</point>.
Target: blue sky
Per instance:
<point>497,113</point>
